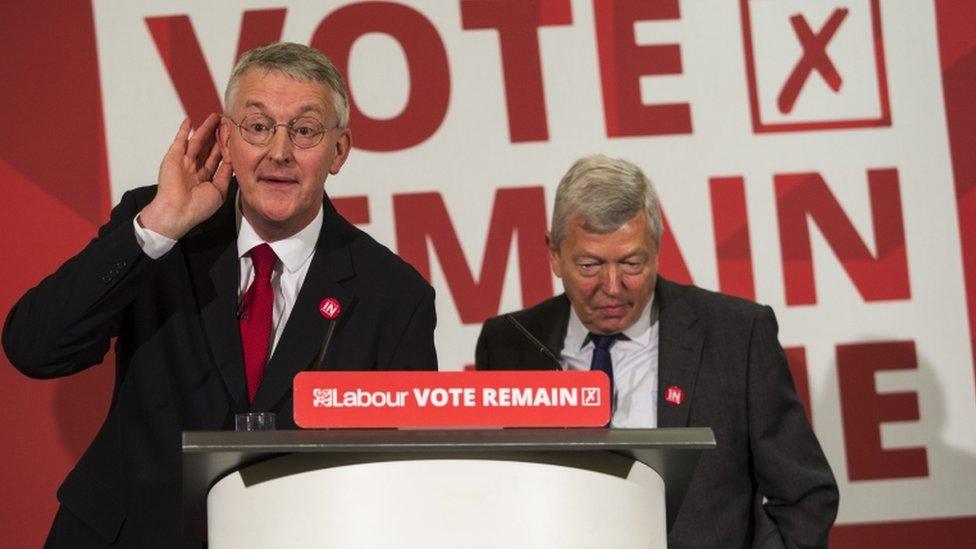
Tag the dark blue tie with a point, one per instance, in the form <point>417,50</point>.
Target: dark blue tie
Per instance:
<point>601,355</point>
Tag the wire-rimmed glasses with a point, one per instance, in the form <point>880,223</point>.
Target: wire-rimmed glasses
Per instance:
<point>258,129</point>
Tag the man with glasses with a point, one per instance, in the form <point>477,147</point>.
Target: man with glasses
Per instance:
<point>677,356</point>
<point>220,284</point>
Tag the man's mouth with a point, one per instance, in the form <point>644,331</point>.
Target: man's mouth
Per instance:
<point>613,310</point>
<point>278,180</point>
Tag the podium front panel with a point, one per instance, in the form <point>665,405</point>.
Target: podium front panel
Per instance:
<point>566,501</point>
<point>258,457</point>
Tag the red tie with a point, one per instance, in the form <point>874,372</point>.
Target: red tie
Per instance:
<point>255,319</point>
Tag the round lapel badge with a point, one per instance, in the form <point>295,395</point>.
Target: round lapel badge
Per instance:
<point>674,395</point>
<point>330,308</point>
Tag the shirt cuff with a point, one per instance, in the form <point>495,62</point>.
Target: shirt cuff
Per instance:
<point>152,243</point>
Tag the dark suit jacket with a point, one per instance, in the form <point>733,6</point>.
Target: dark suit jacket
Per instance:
<point>724,353</point>
<point>179,363</point>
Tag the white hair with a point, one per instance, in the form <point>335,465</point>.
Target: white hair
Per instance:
<point>299,62</point>
<point>604,193</point>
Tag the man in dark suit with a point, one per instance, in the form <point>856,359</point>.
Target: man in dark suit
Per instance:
<point>677,356</point>
<point>213,283</point>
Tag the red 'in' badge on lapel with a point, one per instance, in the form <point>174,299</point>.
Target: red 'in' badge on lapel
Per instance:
<point>674,395</point>
<point>330,308</point>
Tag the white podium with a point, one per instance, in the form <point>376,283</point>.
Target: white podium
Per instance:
<point>560,488</point>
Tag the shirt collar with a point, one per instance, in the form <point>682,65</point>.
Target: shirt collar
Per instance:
<point>292,251</point>
<point>638,332</point>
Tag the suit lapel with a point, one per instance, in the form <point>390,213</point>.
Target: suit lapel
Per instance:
<point>548,325</point>
<point>554,331</point>
<point>211,255</point>
<point>680,340</point>
<point>306,328</point>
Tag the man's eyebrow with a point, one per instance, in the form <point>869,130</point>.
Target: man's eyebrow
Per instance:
<point>311,107</point>
<point>585,255</point>
<point>640,255</point>
<point>637,254</point>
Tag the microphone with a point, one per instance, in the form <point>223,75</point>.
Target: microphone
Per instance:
<point>325,345</point>
<point>535,342</point>
<point>331,310</point>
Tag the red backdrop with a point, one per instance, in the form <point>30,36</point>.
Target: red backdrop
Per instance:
<point>53,173</point>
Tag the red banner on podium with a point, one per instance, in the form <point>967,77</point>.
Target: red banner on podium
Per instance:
<point>451,399</point>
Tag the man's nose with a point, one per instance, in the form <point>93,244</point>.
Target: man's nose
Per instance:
<point>611,280</point>
<point>280,148</point>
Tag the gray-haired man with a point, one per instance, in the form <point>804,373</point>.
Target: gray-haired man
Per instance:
<point>212,282</point>
<point>678,356</point>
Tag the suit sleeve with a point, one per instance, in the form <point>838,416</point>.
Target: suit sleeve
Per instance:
<point>789,464</point>
<point>496,348</point>
<point>65,324</point>
<point>415,350</point>
<point>481,361</point>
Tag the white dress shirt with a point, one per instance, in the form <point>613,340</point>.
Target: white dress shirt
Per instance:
<point>294,258</point>
<point>635,366</point>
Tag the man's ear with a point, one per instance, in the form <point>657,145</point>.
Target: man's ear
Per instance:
<point>554,263</point>
<point>223,137</point>
<point>342,147</point>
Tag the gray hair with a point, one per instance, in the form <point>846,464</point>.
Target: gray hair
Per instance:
<point>605,193</point>
<point>299,62</point>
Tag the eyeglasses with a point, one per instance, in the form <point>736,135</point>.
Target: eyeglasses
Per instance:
<point>257,129</point>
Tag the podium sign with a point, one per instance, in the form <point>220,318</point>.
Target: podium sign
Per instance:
<point>451,399</point>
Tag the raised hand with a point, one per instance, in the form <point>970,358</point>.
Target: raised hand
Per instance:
<point>193,181</point>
